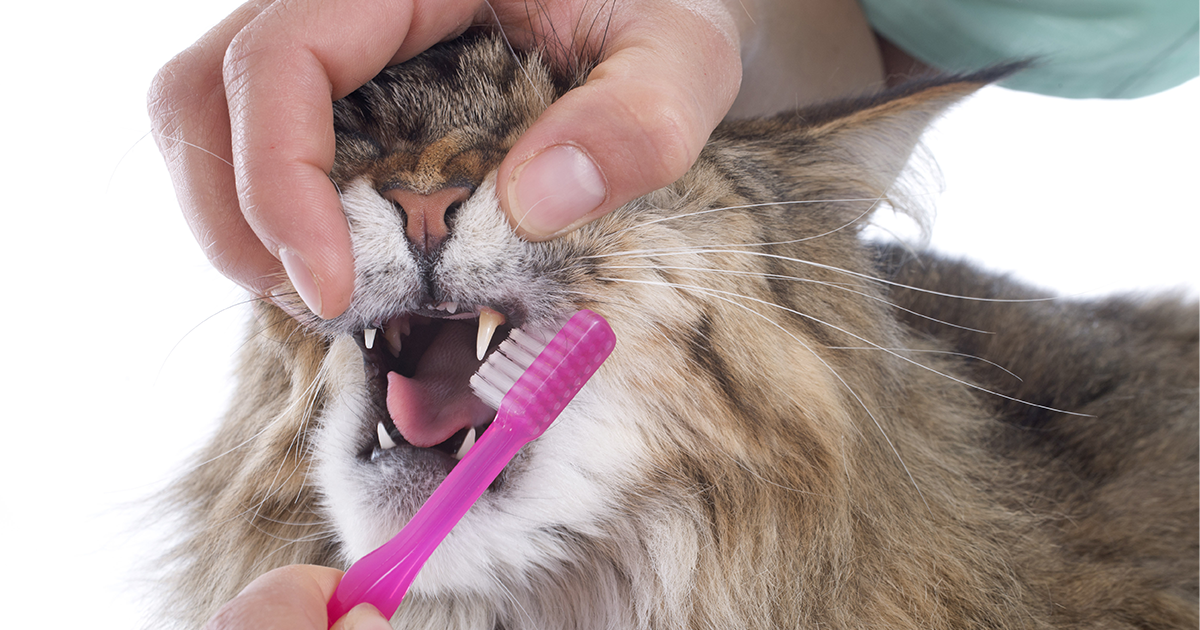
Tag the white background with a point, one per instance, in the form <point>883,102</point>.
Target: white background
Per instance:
<point>119,335</point>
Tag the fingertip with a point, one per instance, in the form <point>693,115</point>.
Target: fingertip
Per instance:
<point>303,280</point>
<point>554,191</point>
<point>293,596</point>
<point>363,617</point>
<point>326,292</point>
<point>636,125</point>
<point>596,148</point>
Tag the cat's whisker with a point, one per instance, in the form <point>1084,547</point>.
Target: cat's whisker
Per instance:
<point>276,521</point>
<point>198,325</point>
<point>942,352</point>
<point>512,598</point>
<point>869,342</point>
<point>240,445</point>
<point>287,542</point>
<point>297,442</point>
<point>516,58</point>
<point>874,202</point>
<point>690,251</point>
<point>587,34</point>
<point>716,294</point>
<point>774,276</point>
<point>282,416</point>
<point>192,145</point>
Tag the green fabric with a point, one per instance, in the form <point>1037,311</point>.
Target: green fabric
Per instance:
<point>1080,48</point>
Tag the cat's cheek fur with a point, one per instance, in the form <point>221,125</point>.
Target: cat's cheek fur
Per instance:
<point>386,274</point>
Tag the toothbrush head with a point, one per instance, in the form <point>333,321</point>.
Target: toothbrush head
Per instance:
<point>536,372</point>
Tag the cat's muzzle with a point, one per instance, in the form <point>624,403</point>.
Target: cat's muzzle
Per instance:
<point>418,367</point>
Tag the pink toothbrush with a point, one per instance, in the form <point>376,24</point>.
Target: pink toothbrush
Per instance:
<point>529,379</point>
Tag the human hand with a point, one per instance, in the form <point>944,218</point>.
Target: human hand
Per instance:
<point>293,598</point>
<point>244,117</point>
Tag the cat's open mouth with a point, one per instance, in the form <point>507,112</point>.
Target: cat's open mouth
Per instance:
<point>418,368</point>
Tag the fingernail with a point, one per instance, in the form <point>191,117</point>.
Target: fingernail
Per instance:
<point>364,617</point>
<point>302,279</point>
<point>555,189</point>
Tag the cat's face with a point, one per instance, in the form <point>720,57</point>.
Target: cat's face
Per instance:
<point>419,135</point>
<point>721,305</point>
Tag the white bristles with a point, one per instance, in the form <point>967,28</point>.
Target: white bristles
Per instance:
<point>510,360</point>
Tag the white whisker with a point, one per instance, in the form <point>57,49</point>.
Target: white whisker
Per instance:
<point>874,201</point>
<point>759,274</point>
<point>194,146</point>
<point>945,352</point>
<point>866,341</point>
<point>690,251</point>
<point>516,58</point>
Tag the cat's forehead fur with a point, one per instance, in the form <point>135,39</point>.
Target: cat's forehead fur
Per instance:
<point>445,118</point>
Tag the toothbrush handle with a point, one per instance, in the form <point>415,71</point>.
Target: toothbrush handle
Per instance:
<point>382,577</point>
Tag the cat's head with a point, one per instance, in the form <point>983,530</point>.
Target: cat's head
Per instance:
<point>734,293</point>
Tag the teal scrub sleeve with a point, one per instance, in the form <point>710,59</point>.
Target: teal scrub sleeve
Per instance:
<point>1080,48</point>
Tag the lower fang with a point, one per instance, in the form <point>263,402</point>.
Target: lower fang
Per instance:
<point>385,440</point>
<point>392,335</point>
<point>468,442</point>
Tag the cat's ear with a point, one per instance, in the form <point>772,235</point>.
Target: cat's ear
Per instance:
<point>876,135</point>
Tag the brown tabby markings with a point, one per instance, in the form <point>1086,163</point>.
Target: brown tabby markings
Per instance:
<point>772,454</point>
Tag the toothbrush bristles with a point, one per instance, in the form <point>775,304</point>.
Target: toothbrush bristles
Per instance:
<point>510,360</point>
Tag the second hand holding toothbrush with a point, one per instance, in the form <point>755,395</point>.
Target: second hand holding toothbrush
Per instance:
<point>529,379</point>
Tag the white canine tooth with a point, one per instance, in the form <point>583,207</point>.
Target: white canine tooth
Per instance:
<point>385,440</point>
<point>468,442</point>
<point>489,320</point>
<point>392,335</point>
<point>369,336</point>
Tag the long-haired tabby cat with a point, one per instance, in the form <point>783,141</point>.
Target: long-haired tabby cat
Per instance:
<point>796,430</point>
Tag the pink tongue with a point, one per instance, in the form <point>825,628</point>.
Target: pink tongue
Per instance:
<point>437,402</point>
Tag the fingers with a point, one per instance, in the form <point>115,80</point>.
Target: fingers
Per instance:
<point>669,76</point>
<point>190,124</point>
<point>282,72</point>
<point>292,598</point>
<point>244,119</point>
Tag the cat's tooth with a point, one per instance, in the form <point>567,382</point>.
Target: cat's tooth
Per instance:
<point>369,337</point>
<point>385,440</point>
<point>449,307</point>
<point>489,320</point>
<point>468,442</point>
<point>391,334</point>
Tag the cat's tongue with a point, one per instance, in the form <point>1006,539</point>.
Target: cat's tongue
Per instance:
<point>437,401</point>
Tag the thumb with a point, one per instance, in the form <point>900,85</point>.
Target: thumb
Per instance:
<point>636,125</point>
<point>292,598</point>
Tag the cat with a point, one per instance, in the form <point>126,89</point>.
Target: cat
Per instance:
<point>797,429</point>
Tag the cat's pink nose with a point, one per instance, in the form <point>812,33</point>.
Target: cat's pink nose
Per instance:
<point>426,214</point>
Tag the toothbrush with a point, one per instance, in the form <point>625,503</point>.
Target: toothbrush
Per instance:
<point>529,379</point>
